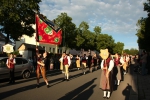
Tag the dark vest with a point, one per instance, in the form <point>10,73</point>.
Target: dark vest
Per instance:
<point>84,59</point>
<point>11,65</point>
<point>65,61</point>
<point>117,61</point>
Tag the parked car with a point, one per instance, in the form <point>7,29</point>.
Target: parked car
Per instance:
<point>22,68</point>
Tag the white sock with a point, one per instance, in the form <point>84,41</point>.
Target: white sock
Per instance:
<point>67,75</point>
<point>118,82</point>
<point>47,83</point>
<point>108,94</point>
<point>104,93</point>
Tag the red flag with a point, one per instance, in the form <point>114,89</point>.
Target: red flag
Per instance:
<point>46,34</point>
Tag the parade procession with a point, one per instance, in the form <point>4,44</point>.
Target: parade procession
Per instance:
<point>74,50</point>
<point>111,68</point>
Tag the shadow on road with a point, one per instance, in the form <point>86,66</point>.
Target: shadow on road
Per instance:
<point>126,91</point>
<point>129,90</point>
<point>79,93</point>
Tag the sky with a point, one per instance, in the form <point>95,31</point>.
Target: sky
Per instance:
<point>117,18</point>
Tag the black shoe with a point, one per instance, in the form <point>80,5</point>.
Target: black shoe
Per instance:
<point>67,79</point>
<point>104,97</point>
<point>10,83</point>
<point>37,86</point>
<point>13,82</point>
<point>48,86</point>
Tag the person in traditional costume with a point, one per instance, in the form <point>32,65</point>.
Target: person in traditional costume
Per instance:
<point>61,65</point>
<point>117,69</point>
<point>124,63</point>
<point>89,62</point>
<point>106,82</point>
<point>78,61</point>
<point>95,61</point>
<point>11,66</point>
<point>83,63</point>
<point>42,63</point>
<point>127,62</point>
<point>66,63</point>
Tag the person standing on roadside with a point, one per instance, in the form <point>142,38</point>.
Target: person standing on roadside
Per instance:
<point>34,63</point>
<point>11,65</point>
<point>31,62</point>
<point>144,62</point>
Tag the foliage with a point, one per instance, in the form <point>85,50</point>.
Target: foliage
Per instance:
<point>118,47</point>
<point>143,31</point>
<point>15,53</point>
<point>82,38</point>
<point>17,17</point>
<point>68,30</point>
<point>131,51</point>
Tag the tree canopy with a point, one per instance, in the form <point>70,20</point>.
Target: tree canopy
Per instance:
<point>143,31</point>
<point>80,37</point>
<point>17,17</point>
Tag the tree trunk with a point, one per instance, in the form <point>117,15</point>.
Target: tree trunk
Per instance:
<point>7,39</point>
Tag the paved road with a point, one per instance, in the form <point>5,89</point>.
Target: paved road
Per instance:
<point>80,87</point>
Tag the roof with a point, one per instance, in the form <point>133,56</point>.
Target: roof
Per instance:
<point>2,37</point>
<point>25,46</point>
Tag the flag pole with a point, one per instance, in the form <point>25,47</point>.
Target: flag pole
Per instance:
<point>36,27</point>
<point>56,51</point>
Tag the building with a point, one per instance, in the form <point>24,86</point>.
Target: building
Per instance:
<point>26,46</point>
<point>2,41</point>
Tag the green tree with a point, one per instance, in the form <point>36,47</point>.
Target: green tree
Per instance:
<point>133,51</point>
<point>143,31</point>
<point>118,48</point>
<point>105,41</point>
<point>97,29</point>
<point>69,30</point>
<point>127,51</point>
<point>17,17</point>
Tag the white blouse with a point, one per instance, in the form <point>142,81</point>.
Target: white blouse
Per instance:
<point>69,61</point>
<point>111,65</point>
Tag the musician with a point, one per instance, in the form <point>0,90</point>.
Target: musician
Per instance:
<point>11,66</point>
<point>107,65</point>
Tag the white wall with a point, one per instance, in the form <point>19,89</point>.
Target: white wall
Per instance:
<point>30,40</point>
<point>24,53</point>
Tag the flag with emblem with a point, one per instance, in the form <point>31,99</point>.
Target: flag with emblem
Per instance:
<point>47,32</point>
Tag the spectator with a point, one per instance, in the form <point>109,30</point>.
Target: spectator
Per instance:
<point>11,66</point>
<point>31,62</point>
<point>144,62</point>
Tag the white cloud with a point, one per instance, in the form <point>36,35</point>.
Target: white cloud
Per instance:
<point>113,16</point>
